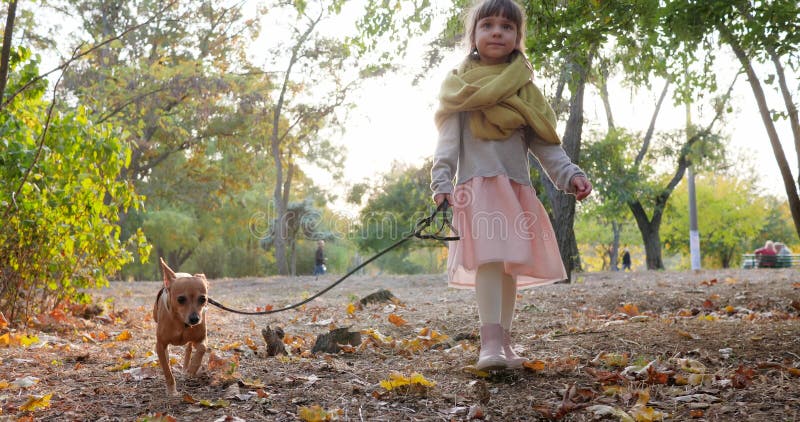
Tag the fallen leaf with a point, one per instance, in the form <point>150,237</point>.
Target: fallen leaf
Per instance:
<point>314,413</point>
<point>630,309</point>
<point>472,369</point>
<point>618,360</point>
<point>216,404</point>
<point>601,411</point>
<point>234,345</point>
<point>743,377</point>
<point>37,402</point>
<point>691,365</point>
<point>643,413</point>
<point>397,320</point>
<point>123,336</point>
<point>687,334</point>
<point>654,376</point>
<point>25,382</point>
<point>534,365</point>
<point>414,381</point>
<point>250,343</point>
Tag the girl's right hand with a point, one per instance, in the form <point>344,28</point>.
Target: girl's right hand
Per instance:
<point>440,197</point>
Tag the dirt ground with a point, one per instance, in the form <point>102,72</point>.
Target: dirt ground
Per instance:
<point>720,345</point>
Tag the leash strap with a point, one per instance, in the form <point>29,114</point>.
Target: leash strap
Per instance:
<point>418,232</point>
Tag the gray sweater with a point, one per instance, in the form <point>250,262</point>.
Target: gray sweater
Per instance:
<point>484,158</point>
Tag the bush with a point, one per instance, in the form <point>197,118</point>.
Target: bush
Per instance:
<point>59,201</point>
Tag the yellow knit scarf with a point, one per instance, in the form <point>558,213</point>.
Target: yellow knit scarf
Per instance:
<point>501,98</point>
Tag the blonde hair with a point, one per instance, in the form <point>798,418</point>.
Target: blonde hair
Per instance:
<point>508,9</point>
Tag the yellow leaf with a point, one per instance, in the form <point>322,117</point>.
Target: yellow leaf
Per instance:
<point>397,379</point>
<point>4,384</point>
<point>351,309</point>
<point>250,343</point>
<point>220,403</point>
<point>417,378</point>
<point>471,369</point>
<point>643,413</point>
<point>123,336</point>
<point>314,413</point>
<point>235,345</point>
<point>382,339</point>
<point>5,339</point>
<point>37,402</point>
<point>119,367</point>
<point>396,320</point>
<point>3,321</point>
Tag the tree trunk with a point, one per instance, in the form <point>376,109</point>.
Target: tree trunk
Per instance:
<point>651,236</point>
<point>564,205</point>
<point>613,257</point>
<point>783,164</point>
<point>5,55</point>
<point>293,258</point>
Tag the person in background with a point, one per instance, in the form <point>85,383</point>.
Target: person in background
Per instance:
<point>767,255</point>
<point>490,116</point>
<point>626,260</point>
<point>319,259</point>
<point>781,249</point>
<point>782,259</point>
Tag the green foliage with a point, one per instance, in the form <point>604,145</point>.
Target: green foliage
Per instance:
<point>60,202</point>
<point>778,225</point>
<point>392,211</point>
<point>730,216</point>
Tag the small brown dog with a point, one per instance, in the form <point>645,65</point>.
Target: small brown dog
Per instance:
<point>180,316</point>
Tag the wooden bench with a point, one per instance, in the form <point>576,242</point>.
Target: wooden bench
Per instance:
<point>770,261</point>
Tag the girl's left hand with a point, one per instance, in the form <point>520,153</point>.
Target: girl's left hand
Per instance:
<point>582,187</point>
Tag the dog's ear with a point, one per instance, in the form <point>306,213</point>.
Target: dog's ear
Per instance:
<point>169,275</point>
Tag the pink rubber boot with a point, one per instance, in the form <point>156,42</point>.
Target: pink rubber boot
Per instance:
<point>513,361</point>
<point>491,356</point>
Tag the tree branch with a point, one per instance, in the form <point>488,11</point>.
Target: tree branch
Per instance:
<point>75,56</point>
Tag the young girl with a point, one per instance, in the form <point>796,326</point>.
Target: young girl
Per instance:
<point>490,115</point>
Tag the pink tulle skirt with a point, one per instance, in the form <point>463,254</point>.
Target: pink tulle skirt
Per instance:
<point>500,220</point>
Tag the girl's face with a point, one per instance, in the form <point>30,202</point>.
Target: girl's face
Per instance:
<point>495,39</point>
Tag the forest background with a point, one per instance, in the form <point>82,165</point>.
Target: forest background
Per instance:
<point>197,131</point>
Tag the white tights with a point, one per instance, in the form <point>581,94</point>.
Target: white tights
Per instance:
<point>496,293</point>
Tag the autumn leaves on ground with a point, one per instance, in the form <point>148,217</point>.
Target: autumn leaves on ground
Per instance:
<point>645,346</point>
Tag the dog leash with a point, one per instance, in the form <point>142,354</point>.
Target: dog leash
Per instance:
<point>419,228</point>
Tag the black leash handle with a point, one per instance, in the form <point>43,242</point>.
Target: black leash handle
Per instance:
<point>421,225</point>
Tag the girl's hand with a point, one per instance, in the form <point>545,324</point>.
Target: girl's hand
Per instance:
<point>582,187</point>
<point>440,197</point>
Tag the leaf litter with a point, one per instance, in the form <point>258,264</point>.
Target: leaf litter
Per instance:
<point>645,346</point>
